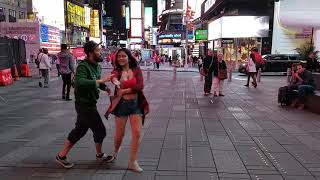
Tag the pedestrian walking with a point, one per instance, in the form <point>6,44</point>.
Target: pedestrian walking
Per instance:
<point>220,74</point>
<point>200,62</point>
<point>208,68</point>
<point>131,104</point>
<point>66,69</point>
<point>87,84</point>
<point>252,71</point>
<point>44,67</point>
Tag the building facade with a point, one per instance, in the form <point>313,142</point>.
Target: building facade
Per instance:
<point>13,10</point>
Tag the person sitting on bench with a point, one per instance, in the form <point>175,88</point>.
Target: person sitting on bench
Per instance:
<point>305,86</point>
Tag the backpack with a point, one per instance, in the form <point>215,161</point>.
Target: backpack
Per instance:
<point>258,58</point>
<point>283,96</point>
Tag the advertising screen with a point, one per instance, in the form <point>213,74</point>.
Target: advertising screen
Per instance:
<point>201,35</point>
<point>245,26</point>
<point>94,27</point>
<point>148,17</point>
<point>76,15</point>
<point>50,38</point>
<point>161,7</point>
<point>136,30</point>
<point>127,18</point>
<point>239,27</point>
<point>136,7</point>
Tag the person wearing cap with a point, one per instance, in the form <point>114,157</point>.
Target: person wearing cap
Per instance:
<point>88,81</point>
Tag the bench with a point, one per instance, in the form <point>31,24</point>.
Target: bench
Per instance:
<point>313,101</point>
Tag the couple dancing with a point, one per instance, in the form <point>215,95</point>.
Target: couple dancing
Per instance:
<point>128,103</point>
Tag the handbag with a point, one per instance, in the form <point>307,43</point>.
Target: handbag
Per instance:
<point>222,73</point>
<point>251,67</point>
<point>203,71</point>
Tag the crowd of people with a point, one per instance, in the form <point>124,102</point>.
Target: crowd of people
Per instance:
<point>128,101</point>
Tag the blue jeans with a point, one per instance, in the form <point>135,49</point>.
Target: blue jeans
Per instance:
<point>304,90</point>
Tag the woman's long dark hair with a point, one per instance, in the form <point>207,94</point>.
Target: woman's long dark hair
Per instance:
<point>133,64</point>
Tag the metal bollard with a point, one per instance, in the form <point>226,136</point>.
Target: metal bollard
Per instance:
<point>230,75</point>
<point>148,74</point>
<point>288,74</point>
<point>259,75</point>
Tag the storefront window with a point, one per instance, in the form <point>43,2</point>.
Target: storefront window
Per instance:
<point>2,14</point>
<point>12,16</point>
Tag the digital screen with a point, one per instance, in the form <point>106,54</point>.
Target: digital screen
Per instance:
<point>148,17</point>
<point>135,9</point>
<point>136,30</point>
<point>201,35</point>
<point>127,18</point>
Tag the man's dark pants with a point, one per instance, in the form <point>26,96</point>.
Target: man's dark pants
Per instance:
<point>66,78</point>
<point>208,83</point>
<point>87,118</point>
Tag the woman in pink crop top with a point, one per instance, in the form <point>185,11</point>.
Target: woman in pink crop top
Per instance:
<point>128,79</point>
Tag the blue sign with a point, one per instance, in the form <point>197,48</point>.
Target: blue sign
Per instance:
<point>170,36</point>
<point>44,33</point>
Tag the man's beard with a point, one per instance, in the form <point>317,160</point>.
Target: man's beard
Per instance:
<point>98,59</point>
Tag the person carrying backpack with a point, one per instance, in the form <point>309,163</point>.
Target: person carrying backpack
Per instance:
<point>257,58</point>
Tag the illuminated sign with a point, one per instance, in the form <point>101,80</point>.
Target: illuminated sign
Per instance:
<point>76,15</point>
<point>87,14</point>
<point>127,18</point>
<point>209,4</point>
<point>136,30</point>
<point>136,7</point>
<point>50,38</point>
<point>170,36</point>
<point>148,17</point>
<point>94,26</point>
<point>201,35</point>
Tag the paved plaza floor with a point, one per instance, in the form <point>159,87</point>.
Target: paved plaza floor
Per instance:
<point>244,135</point>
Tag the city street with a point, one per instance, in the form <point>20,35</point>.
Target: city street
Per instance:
<point>187,136</point>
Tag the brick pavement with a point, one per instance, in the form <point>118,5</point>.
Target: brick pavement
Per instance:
<point>244,135</point>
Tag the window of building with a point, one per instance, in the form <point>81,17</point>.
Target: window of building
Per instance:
<point>2,14</point>
<point>12,15</point>
<point>21,15</point>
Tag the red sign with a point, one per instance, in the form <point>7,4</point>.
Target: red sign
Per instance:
<point>78,53</point>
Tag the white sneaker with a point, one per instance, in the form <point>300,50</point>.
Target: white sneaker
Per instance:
<point>134,166</point>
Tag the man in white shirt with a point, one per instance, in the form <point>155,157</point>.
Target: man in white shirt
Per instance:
<point>44,67</point>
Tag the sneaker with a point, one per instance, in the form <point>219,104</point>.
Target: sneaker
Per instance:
<point>63,161</point>
<point>110,158</point>
<point>46,86</point>
<point>134,166</point>
<point>104,157</point>
<point>40,84</point>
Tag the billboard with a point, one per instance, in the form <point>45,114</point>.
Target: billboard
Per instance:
<point>161,7</point>
<point>136,30</point>
<point>239,27</point>
<point>148,17</point>
<point>94,27</point>
<point>127,18</point>
<point>50,38</point>
<point>136,7</point>
<point>201,35</point>
<point>76,15</point>
<point>50,12</point>
<point>28,31</point>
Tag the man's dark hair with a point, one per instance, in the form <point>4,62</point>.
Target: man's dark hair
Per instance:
<point>132,60</point>
<point>45,50</point>
<point>41,50</point>
<point>64,46</point>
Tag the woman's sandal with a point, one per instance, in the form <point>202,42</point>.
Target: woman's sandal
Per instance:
<point>110,158</point>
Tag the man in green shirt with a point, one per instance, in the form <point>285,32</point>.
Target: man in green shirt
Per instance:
<point>88,81</point>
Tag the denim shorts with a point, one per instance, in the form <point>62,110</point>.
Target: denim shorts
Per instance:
<point>127,107</point>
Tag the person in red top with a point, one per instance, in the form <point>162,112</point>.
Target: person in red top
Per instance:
<point>129,103</point>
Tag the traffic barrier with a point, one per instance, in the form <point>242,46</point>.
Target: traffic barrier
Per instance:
<point>6,77</point>
<point>25,70</point>
<point>16,74</point>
